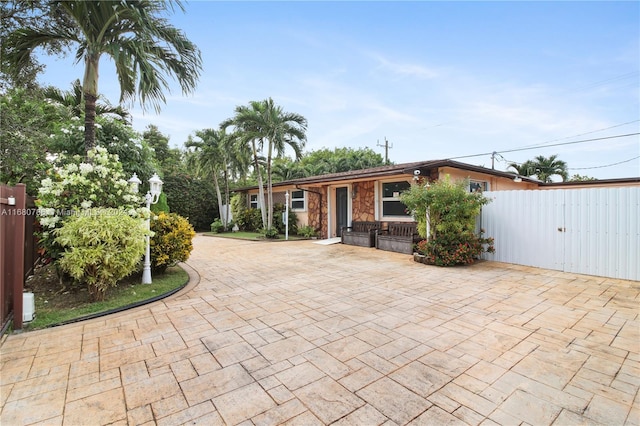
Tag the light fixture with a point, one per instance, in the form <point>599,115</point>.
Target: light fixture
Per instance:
<point>354,190</point>
<point>11,200</point>
<point>155,189</point>
<point>517,179</point>
<point>134,182</point>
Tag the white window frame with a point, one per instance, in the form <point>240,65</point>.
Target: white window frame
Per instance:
<point>303,199</point>
<point>408,217</point>
<point>484,185</point>
<point>254,204</point>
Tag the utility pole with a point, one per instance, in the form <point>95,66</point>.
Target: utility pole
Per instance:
<point>386,149</point>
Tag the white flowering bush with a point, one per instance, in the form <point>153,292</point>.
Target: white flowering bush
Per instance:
<point>73,186</point>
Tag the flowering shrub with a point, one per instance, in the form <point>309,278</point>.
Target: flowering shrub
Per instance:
<point>101,246</point>
<point>171,242</point>
<point>461,250</point>
<point>73,186</point>
<point>449,211</point>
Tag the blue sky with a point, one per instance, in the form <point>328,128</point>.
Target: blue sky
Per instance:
<point>437,79</point>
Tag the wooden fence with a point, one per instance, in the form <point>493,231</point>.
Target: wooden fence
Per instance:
<point>18,253</point>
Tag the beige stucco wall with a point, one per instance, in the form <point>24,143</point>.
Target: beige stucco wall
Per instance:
<point>496,183</point>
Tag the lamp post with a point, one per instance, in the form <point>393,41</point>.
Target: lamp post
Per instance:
<point>155,188</point>
<point>286,216</point>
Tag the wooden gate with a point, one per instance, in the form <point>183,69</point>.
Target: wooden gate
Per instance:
<point>17,251</point>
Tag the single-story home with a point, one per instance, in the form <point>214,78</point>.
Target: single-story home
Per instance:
<point>331,201</point>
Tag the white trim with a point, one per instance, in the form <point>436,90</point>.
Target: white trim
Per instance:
<point>304,200</point>
<point>376,199</point>
<point>332,205</point>
<point>380,200</point>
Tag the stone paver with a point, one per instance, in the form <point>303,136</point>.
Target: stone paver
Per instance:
<point>296,333</point>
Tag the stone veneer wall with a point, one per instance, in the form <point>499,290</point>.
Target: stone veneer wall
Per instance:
<point>363,205</point>
<point>316,207</point>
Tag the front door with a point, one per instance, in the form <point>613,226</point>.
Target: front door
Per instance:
<point>341,210</point>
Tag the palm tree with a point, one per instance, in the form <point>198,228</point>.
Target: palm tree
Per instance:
<point>249,142</point>
<point>547,167</point>
<point>281,129</point>
<point>215,157</point>
<point>525,169</point>
<point>73,98</point>
<point>142,44</point>
<point>264,122</point>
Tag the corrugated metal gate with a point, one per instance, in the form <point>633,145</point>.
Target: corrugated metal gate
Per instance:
<point>587,231</point>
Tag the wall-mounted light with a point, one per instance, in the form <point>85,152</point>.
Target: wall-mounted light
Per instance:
<point>354,190</point>
<point>11,200</point>
<point>517,179</point>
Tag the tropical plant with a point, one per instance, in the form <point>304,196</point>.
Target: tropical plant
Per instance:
<point>74,101</point>
<point>134,34</point>
<point>101,246</point>
<point>525,169</point>
<point>171,241</point>
<point>307,231</point>
<point>215,157</point>
<point>74,186</point>
<point>117,137</point>
<point>263,123</point>
<point>448,211</point>
<point>543,168</point>
<point>27,120</point>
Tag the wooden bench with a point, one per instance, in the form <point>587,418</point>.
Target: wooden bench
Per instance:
<point>361,234</point>
<point>399,237</point>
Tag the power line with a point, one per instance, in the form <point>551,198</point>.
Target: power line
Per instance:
<point>546,146</point>
<point>586,133</point>
<point>606,165</point>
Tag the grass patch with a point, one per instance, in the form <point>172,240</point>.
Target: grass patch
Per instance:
<point>253,236</point>
<point>55,306</point>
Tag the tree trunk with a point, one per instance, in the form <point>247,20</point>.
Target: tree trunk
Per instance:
<point>218,195</point>
<point>269,189</point>
<point>226,198</point>
<point>89,123</point>
<point>90,92</point>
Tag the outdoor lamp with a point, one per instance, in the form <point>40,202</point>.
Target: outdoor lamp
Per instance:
<point>155,188</point>
<point>134,182</point>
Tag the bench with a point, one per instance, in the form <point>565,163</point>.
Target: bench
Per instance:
<point>399,237</point>
<point>361,234</point>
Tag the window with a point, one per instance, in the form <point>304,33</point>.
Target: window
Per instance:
<point>391,205</point>
<point>253,201</point>
<point>298,200</point>
<point>478,186</point>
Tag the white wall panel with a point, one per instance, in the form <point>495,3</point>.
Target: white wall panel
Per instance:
<point>588,231</point>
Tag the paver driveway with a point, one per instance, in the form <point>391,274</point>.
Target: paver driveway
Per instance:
<point>301,333</point>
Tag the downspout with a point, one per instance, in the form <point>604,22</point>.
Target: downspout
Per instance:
<point>320,194</point>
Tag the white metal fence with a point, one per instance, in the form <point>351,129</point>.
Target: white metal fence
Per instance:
<point>587,231</point>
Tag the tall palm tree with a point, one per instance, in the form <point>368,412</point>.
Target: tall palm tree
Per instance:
<point>215,157</point>
<point>547,167</point>
<point>73,100</point>
<point>249,141</point>
<point>281,129</point>
<point>141,43</point>
<point>264,122</point>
